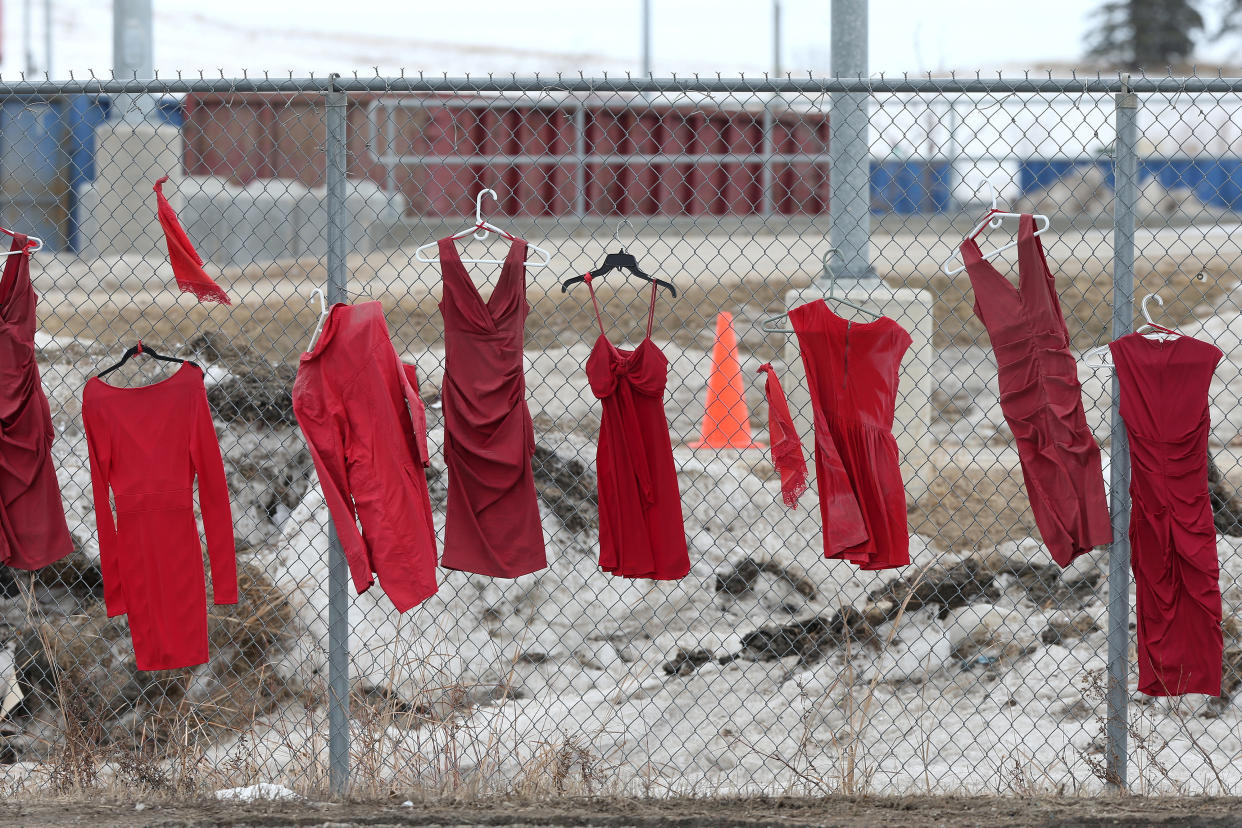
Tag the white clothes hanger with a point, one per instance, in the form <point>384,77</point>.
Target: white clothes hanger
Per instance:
<point>1101,356</point>
<point>772,324</point>
<point>323,317</point>
<point>480,230</point>
<point>992,219</point>
<point>30,248</point>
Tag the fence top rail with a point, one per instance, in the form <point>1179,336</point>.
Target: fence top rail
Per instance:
<point>715,84</point>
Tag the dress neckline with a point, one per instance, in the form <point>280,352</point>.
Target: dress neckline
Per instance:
<point>984,264</point>
<point>155,384</point>
<point>450,244</point>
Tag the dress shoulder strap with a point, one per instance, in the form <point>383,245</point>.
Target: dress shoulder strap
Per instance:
<point>651,310</point>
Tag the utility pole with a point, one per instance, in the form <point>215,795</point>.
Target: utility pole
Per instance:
<point>776,38</point>
<point>28,39</point>
<point>849,150</point>
<point>646,37</point>
<point>132,56</point>
<point>47,37</point>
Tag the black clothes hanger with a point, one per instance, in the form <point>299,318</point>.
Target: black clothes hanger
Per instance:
<point>620,260</point>
<point>135,351</point>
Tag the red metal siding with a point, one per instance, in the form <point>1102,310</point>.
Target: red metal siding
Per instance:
<point>245,137</point>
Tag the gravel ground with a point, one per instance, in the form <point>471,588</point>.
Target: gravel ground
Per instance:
<point>750,813</point>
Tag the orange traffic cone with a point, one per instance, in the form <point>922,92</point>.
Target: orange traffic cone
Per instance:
<point>726,422</point>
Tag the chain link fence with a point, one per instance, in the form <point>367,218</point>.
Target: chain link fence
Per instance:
<point>980,667</point>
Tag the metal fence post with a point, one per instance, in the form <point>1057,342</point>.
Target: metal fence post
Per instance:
<point>338,572</point>
<point>1125,169</point>
<point>849,150</point>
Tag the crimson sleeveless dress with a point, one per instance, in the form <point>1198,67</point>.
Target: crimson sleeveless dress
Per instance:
<point>492,524</point>
<point>1041,398</point>
<point>1164,402</point>
<point>33,532</point>
<point>851,372</point>
<point>641,534</point>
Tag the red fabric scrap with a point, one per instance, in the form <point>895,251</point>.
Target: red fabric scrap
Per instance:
<point>186,264</point>
<point>787,454</point>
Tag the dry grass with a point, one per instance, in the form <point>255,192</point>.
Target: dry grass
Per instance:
<point>972,507</point>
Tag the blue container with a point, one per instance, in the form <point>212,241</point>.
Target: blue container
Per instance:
<point>908,187</point>
<point>46,151</point>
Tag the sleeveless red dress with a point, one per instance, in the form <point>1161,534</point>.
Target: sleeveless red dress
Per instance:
<point>1041,398</point>
<point>1164,402</point>
<point>492,524</point>
<point>641,534</point>
<point>851,373</point>
<point>33,531</point>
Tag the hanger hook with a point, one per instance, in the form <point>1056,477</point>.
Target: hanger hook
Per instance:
<point>1146,312</point>
<point>828,271</point>
<point>323,300</point>
<point>994,208</point>
<point>616,234</point>
<point>481,232</point>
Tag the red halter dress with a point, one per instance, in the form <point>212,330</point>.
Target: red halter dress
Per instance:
<point>1041,398</point>
<point>492,524</point>
<point>641,534</point>
<point>1164,402</point>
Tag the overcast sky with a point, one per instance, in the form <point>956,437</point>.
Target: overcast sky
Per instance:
<point>524,35</point>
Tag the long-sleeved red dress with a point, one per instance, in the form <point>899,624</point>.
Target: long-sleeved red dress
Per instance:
<point>147,445</point>
<point>33,532</point>
<point>364,422</point>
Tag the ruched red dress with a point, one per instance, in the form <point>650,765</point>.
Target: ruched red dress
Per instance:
<point>641,533</point>
<point>366,428</point>
<point>33,532</point>
<point>147,447</point>
<point>851,373</point>
<point>492,525</point>
<point>1164,402</point>
<point>1041,398</point>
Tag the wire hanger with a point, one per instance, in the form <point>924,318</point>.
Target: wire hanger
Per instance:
<point>772,324</point>
<point>1101,355</point>
<point>33,244</point>
<point>992,219</point>
<point>137,350</point>
<point>621,260</point>
<point>479,230</point>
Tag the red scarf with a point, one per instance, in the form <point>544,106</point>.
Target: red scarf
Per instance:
<point>787,454</point>
<point>186,265</point>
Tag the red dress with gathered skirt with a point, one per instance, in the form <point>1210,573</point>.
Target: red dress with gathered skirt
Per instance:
<point>641,532</point>
<point>366,428</point>
<point>148,445</point>
<point>492,524</point>
<point>1164,403</point>
<point>852,373</point>
<point>33,532</point>
<point>1041,398</point>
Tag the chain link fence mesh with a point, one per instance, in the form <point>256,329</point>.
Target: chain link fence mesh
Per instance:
<point>980,667</point>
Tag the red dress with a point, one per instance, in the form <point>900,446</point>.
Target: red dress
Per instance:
<point>851,373</point>
<point>1041,398</point>
<point>492,525</point>
<point>641,534</point>
<point>33,532</point>
<point>147,445</point>
<point>1164,402</point>
<point>366,428</point>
